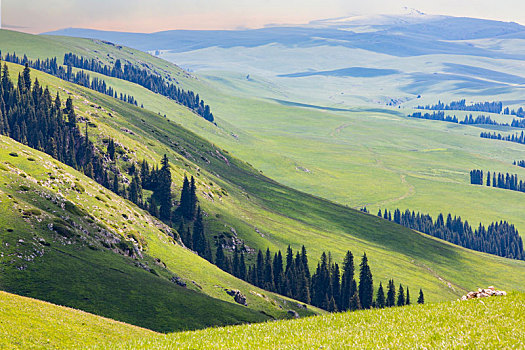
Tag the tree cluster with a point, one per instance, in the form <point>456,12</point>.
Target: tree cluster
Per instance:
<point>144,78</point>
<point>489,107</point>
<point>500,239</point>
<point>505,181</point>
<point>520,113</point>
<point>469,120</point>
<point>330,287</point>
<point>518,138</point>
<point>51,67</point>
<point>29,115</point>
<point>520,163</point>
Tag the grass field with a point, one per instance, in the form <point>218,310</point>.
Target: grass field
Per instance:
<point>489,323</point>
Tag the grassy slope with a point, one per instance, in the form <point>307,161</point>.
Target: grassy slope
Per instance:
<point>286,216</point>
<point>32,324</point>
<point>496,322</point>
<point>396,162</point>
<point>79,272</point>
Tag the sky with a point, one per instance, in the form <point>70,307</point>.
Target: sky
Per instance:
<point>37,16</point>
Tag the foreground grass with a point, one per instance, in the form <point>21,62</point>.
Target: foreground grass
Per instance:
<point>28,324</point>
<point>489,323</point>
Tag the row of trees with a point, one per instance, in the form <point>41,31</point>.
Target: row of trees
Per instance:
<point>489,107</point>
<point>469,120</point>
<point>144,78</point>
<point>506,181</point>
<point>518,138</point>
<point>520,113</point>
<point>500,239</point>
<point>520,163</point>
<point>329,287</point>
<point>51,67</point>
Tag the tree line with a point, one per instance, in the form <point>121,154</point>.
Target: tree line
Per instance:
<point>330,287</point>
<point>469,120</point>
<point>520,113</point>
<point>30,115</point>
<point>144,78</point>
<point>517,138</point>
<point>505,181</point>
<point>520,163</point>
<point>461,105</point>
<point>51,67</point>
<point>499,238</point>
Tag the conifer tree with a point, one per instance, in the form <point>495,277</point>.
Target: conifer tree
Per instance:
<point>421,299</point>
<point>408,297</point>
<point>164,190</point>
<point>355,303</point>
<point>380,298</point>
<point>401,296</point>
<point>366,284</point>
<point>391,294</point>
<point>242,267</point>
<point>220,260</point>
<point>347,281</point>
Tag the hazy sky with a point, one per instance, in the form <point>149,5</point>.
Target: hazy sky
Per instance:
<point>155,15</point>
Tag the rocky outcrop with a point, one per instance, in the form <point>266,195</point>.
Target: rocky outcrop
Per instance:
<point>178,281</point>
<point>484,293</point>
<point>237,296</point>
<point>292,314</point>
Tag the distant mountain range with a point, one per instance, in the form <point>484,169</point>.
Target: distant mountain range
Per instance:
<point>408,35</point>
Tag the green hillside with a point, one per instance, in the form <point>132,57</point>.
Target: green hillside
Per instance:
<point>360,156</point>
<point>255,204</point>
<point>72,242</point>
<point>493,322</point>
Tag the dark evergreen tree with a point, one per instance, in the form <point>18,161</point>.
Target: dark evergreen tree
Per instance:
<point>401,296</point>
<point>347,281</point>
<point>421,298</point>
<point>366,285</point>
<point>391,294</point>
<point>220,259</point>
<point>380,297</point>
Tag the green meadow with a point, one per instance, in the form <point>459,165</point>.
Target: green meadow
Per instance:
<point>495,322</point>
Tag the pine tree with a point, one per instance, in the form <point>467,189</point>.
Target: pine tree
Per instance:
<point>164,190</point>
<point>391,294</point>
<point>115,184</point>
<point>193,198</point>
<point>355,303</point>
<point>347,281</point>
<point>380,298</point>
<point>421,299</point>
<point>408,297</point>
<point>27,77</point>
<point>401,296</point>
<point>366,284</point>
<point>242,267</point>
<point>268,272</point>
<point>220,259</point>
<point>185,200</point>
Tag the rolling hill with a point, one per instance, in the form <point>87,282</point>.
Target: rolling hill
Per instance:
<point>235,196</point>
<point>341,94</point>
